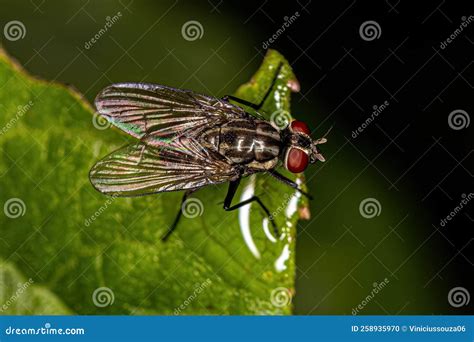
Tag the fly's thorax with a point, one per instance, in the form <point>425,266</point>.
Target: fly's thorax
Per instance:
<point>244,141</point>
<point>268,138</point>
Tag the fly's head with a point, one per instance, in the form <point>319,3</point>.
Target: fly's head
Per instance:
<point>300,150</point>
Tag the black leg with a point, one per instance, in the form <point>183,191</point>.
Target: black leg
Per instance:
<point>288,182</point>
<point>233,185</point>
<point>178,216</point>
<point>241,101</point>
<point>256,106</point>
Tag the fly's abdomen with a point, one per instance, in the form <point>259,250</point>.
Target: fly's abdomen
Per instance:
<point>244,141</point>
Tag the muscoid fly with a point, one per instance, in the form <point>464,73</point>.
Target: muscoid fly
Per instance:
<point>187,141</point>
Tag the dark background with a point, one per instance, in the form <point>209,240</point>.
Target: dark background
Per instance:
<point>408,158</point>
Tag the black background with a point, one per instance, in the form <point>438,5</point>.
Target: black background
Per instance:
<point>429,165</point>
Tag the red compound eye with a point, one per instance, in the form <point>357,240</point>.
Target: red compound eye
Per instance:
<point>296,160</point>
<point>299,127</point>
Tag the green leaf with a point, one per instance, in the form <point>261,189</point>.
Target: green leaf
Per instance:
<point>20,296</point>
<point>103,255</point>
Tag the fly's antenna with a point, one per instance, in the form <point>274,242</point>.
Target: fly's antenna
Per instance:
<point>328,131</point>
<point>316,153</point>
<point>323,140</point>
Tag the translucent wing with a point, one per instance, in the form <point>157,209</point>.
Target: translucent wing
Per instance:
<point>141,169</point>
<point>159,114</point>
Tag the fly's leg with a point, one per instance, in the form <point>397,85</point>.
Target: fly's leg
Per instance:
<point>242,101</point>
<point>233,185</point>
<point>288,182</point>
<point>256,106</point>
<point>178,216</point>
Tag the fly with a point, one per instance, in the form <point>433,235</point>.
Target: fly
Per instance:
<point>187,141</point>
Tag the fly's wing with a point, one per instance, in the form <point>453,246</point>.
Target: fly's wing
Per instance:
<point>141,169</point>
<point>159,114</point>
